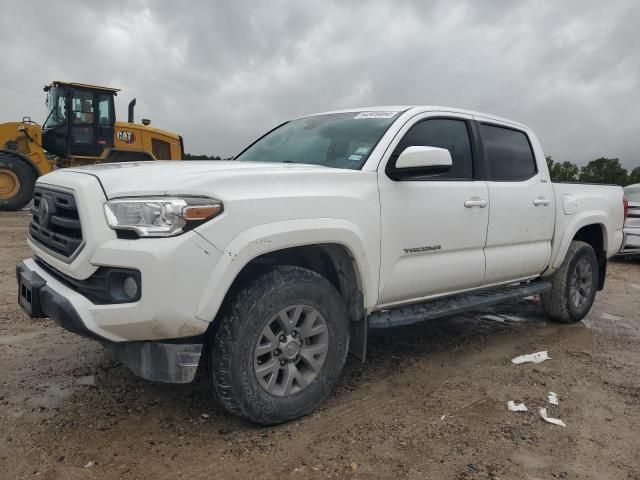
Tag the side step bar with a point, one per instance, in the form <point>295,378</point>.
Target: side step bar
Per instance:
<point>410,314</point>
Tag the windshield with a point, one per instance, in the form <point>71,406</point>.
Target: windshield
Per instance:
<point>56,111</point>
<point>632,194</point>
<point>339,140</point>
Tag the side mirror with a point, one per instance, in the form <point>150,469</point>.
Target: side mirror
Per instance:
<point>433,159</point>
<point>419,162</point>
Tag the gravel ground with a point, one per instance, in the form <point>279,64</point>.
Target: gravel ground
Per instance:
<point>429,403</point>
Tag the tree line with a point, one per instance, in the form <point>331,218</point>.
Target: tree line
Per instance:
<point>600,170</point>
<point>189,156</point>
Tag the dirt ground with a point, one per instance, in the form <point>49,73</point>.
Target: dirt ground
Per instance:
<point>431,402</point>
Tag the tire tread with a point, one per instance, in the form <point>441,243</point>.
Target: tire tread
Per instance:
<point>555,302</point>
<point>227,337</point>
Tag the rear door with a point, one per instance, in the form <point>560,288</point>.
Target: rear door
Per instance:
<point>521,212</point>
<point>433,227</point>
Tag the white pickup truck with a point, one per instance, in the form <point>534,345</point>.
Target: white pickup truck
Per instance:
<point>266,270</point>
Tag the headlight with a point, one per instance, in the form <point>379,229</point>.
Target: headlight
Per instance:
<point>160,216</point>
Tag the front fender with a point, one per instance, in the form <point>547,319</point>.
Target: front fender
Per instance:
<point>271,237</point>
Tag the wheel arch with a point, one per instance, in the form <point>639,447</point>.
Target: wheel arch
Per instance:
<point>333,261</point>
<point>589,229</point>
<point>326,246</point>
<point>595,235</point>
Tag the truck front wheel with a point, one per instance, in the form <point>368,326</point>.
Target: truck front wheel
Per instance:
<point>574,285</point>
<point>279,346</point>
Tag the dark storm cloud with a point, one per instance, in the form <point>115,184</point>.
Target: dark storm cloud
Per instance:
<point>221,73</point>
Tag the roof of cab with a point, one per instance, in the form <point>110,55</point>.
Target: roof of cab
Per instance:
<point>416,109</point>
<point>84,85</point>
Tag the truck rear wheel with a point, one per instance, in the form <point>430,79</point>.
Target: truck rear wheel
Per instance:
<point>17,181</point>
<point>280,345</point>
<point>574,285</point>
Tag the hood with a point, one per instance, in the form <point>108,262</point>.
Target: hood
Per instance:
<point>180,177</point>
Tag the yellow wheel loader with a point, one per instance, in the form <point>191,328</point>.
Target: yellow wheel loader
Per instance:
<point>80,128</point>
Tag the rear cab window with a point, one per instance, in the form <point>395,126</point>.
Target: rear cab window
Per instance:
<point>508,153</point>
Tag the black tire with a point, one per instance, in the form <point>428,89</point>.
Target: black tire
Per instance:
<point>240,327</point>
<point>559,304</point>
<point>26,176</point>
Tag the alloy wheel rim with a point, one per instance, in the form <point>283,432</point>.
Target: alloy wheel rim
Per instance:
<point>9,184</point>
<point>581,283</point>
<point>291,350</point>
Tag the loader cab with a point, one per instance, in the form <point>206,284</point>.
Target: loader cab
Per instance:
<point>80,119</point>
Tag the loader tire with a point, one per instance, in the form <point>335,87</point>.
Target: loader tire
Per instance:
<point>17,181</point>
<point>574,285</point>
<point>280,345</point>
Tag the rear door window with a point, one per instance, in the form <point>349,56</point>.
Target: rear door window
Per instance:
<point>508,153</point>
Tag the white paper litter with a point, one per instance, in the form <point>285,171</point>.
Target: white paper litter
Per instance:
<point>531,358</point>
<point>555,421</point>
<point>514,318</point>
<point>493,318</point>
<point>516,407</point>
<point>553,398</point>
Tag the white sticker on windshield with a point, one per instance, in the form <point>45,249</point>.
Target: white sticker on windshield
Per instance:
<point>380,114</point>
<point>362,150</point>
<point>355,158</point>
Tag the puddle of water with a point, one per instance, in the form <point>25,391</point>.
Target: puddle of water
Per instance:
<point>52,392</point>
<point>14,339</point>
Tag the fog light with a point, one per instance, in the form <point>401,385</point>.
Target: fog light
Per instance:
<point>130,287</point>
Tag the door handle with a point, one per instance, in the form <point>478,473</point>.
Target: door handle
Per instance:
<point>541,201</point>
<point>475,202</point>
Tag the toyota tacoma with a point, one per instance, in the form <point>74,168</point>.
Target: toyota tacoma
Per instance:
<point>266,270</point>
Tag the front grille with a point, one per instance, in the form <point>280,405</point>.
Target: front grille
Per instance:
<point>56,224</point>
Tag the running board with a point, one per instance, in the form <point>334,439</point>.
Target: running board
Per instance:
<point>419,312</point>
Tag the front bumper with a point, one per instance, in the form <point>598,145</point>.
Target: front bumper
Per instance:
<point>174,272</point>
<point>41,295</point>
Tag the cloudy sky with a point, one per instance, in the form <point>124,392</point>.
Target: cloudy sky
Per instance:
<point>221,73</point>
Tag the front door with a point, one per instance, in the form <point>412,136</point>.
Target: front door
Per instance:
<point>434,227</point>
<point>522,210</point>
